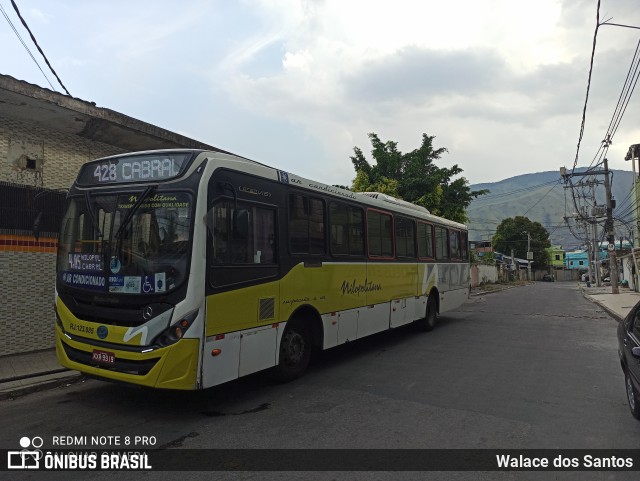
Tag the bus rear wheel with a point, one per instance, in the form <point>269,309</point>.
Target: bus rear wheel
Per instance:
<point>428,322</point>
<point>294,353</point>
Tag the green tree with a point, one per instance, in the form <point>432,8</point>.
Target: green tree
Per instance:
<point>512,234</point>
<point>489,258</point>
<point>414,177</point>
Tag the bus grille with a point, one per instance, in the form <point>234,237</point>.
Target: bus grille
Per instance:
<point>267,308</point>
<point>126,366</point>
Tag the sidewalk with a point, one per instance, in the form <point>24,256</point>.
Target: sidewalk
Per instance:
<point>24,373</point>
<point>616,305</point>
<point>33,371</point>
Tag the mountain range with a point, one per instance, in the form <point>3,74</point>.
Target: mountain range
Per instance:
<point>542,197</point>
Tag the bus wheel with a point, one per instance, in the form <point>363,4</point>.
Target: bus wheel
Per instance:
<point>295,352</point>
<point>428,322</point>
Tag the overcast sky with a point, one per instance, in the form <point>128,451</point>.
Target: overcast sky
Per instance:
<point>297,84</point>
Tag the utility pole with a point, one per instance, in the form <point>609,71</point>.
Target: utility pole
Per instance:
<point>613,261</point>
<point>590,250</point>
<point>634,154</point>
<point>513,262</point>
<point>609,229</point>
<point>596,244</point>
<point>528,260</point>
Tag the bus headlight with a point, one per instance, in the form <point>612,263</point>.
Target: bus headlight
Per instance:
<point>176,331</point>
<point>58,320</point>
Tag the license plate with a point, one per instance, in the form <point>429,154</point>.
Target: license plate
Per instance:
<point>103,357</point>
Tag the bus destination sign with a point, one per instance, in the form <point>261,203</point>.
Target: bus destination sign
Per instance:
<point>140,168</point>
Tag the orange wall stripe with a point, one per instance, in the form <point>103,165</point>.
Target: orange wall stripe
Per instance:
<point>17,243</point>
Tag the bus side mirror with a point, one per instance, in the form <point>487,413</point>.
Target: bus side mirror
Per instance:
<point>36,225</point>
<point>241,224</point>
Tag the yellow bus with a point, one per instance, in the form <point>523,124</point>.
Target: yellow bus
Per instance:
<point>185,269</point>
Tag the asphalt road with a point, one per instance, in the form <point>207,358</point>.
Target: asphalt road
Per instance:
<point>528,367</point>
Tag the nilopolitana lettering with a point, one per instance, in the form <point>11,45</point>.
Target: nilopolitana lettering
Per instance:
<point>354,288</point>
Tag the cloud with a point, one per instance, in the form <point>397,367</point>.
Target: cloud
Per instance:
<point>415,74</point>
<point>299,83</point>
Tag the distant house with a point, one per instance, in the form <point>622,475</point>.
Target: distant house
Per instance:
<point>577,260</point>
<point>556,257</point>
<point>480,248</point>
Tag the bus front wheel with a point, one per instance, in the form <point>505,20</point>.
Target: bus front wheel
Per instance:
<point>294,353</point>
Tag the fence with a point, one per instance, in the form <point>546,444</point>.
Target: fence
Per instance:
<point>21,204</point>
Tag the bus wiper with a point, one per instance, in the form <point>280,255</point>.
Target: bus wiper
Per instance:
<point>134,208</point>
<point>92,216</point>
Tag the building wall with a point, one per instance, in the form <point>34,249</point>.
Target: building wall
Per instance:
<point>61,154</point>
<point>27,268</point>
<point>553,252</point>
<point>483,274</point>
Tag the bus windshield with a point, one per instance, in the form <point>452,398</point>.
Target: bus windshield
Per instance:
<point>133,243</point>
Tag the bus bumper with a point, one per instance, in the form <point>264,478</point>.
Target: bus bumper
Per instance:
<point>172,367</point>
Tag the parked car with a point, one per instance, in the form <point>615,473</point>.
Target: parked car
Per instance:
<point>548,278</point>
<point>629,353</point>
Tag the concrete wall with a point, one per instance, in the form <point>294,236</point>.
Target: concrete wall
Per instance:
<point>27,271</point>
<point>483,274</point>
<point>61,154</point>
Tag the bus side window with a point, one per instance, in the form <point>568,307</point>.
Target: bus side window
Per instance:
<point>464,245</point>
<point>425,240</point>
<point>380,234</point>
<point>220,230</point>
<point>454,244</point>
<point>306,225</point>
<point>248,237</point>
<point>442,243</point>
<point>405,238</point>
<point>347,230</point>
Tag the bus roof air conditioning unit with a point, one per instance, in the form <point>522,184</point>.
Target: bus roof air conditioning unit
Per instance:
<point>393,200</point>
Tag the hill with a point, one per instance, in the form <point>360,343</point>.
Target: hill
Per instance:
<point>541,198</point>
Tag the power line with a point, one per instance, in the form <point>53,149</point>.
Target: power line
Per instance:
<point>586,99</point>
<point>24,44</point>
<point>517,191</point>
<point>625,96</point>
<point>15,7</point>
<point>541,198</point>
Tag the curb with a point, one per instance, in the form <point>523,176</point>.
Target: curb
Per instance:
<point>609,311</point>
<point>40,386</point>
<point>492,291</point>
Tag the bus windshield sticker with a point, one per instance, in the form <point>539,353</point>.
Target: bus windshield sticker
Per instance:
<point>116,283</point>
<point>132,284</point>
<point>115,265</point>
<point>85,262</point>
<point>161,282</point>
<point>86,281</point>
<point>147,285</point>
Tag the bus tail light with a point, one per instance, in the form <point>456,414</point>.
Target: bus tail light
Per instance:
<point>176,331</point>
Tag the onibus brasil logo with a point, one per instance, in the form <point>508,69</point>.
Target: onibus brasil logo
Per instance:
<point>29,456</point>
<point>32,457</point>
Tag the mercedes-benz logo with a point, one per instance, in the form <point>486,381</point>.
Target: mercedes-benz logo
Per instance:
<point>147,313</point>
